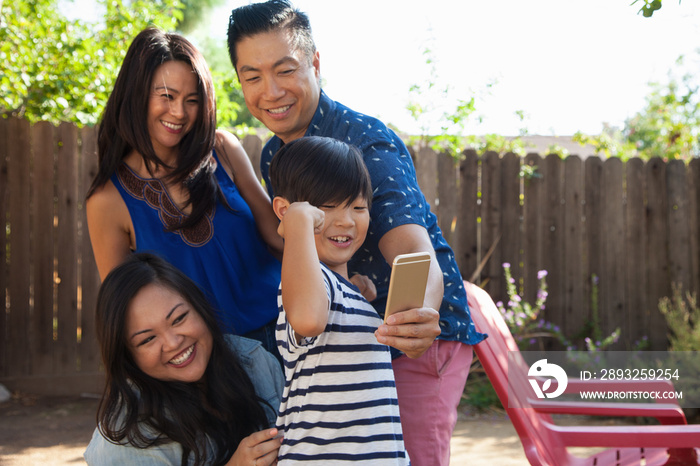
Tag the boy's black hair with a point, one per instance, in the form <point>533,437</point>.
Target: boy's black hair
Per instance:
<point>320,171</point>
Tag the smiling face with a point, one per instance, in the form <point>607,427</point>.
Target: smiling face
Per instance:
<point>166,336</point>
<point>173,107</point>
<point>280,83</point>
<point>344,230</point>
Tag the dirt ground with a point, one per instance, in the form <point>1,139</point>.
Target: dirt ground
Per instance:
<point>45,430</point>
<point>55,431</point>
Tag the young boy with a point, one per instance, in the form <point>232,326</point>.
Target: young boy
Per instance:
<point>339,404</point>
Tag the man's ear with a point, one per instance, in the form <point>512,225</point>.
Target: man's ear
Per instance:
<point>316,63</point>
<point>280,206</point>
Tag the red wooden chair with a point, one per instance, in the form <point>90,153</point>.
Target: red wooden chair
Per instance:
<point>545,443</point>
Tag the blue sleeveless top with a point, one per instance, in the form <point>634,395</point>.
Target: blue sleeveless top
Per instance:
<point>224,253</point>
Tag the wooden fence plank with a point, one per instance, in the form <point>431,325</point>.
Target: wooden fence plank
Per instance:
<point>511,217</point>
<point>553,237</point>
<point>532,230</point>
<point>425,161</point>
<point>448,200</point>
<point>43,161</point>
<point>574,276</point>
<point>694,209</point>
<point>635,240</point>
<point>58,384</point>
<point>66,253</point>
<point>89,276</point>
<point>4,197</point>
<point>678,223</point>
<point>491,222</point>
<point>612,275</point>
<point>467,222</point>
<point>19,179</point>
<point>594,233</point>
<point>658,281</point>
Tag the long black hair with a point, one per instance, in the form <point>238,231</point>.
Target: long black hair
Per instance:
<point>124,126</point>
<point>140,410</point>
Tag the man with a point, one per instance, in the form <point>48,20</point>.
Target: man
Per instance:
<point>273,52</point>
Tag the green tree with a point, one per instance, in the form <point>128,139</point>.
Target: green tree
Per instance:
<point>56,69</point>
<point>667,127</point>
<point>60,70</point>
<point>648,7</point>
<point>426,104</point>
<point>610,143</point>
<point>231,110</point>
<point>195,12</point>
<point>432,101</point>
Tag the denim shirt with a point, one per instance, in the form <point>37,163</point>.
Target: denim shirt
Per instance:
<point>264,371</point>
<point>397,200</point>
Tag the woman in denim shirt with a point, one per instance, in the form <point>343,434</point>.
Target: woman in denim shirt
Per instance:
<point>177,390</point>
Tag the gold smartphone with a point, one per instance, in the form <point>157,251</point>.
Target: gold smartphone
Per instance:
<point>409,277</point>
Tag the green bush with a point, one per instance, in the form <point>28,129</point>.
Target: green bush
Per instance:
<point>683,318</point>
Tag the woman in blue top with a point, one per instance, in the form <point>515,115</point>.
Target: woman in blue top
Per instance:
<point>177,390</point>
<point>172,184</point>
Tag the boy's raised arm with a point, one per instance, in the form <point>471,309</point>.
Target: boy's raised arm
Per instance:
<point>303,287</point>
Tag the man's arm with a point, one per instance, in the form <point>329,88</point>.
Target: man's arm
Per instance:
<point>414,330</point>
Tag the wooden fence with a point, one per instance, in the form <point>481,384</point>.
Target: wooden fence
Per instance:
<point>633,225</point>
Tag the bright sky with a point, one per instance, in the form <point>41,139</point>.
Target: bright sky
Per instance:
<point>570,65</point>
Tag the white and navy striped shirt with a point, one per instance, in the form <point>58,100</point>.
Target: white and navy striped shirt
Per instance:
<point>339,404</point>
